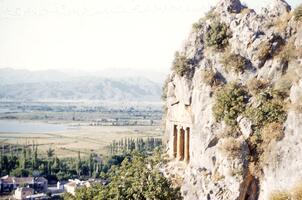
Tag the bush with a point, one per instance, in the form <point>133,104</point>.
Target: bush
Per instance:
<point>255,86</point>
<point>180,64</point>
<point>230,102</point>
<point>138,177</point>
<point>269,109</point>
<point>210,77</point>
<point>230,147</point>
<point>298,13</point>
<point>234,62</point>
<point>217,36</point>
<point>211,15</point>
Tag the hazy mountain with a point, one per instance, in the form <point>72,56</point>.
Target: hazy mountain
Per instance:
<point>46,85</point>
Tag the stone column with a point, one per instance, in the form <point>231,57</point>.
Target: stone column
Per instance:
<point>174,141</point>
<point>187,145</point>
<point>179,156</point>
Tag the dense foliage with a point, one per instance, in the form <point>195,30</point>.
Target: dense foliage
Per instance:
<point>26,160</point>
<point>217,35</point>
<point>231,101</point>
<point>138,177</point>
<point>23,161</point>
<point>130,144</point>
<point>180,64</point>
<point>271,109</point>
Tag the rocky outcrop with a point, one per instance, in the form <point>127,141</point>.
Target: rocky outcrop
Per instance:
<point>223,160</point>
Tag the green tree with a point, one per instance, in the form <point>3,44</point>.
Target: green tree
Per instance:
<point>78,164</point>
<point>50,153</point>
<point>138,177</point>
<point>35,158</point>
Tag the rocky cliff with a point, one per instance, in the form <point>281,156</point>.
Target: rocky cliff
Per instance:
<point>234,105</point>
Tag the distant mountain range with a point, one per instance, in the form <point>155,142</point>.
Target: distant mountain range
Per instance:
<point>114,85</point>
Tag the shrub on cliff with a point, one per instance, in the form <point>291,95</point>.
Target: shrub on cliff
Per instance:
<point>210,77</point>
<point>217,35</point>
<point>233,62</point>
<point>270,108</point>
<point>230,147</point>
<point>180,64</point>
<point>255,86</point>
<point>231,101</point>
<point>298,13</point>
<point>211,15</point>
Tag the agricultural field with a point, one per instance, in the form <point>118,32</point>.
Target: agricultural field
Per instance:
<point>85,139</point>
<point>72,127</point>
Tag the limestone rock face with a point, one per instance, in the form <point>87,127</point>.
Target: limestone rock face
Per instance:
<point>232,6</point>
<point>211,173</point>
<point>277,8</point>
<point>284,170</point>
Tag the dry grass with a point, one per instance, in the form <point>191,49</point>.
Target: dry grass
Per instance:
<point>230,147</point>
<point>280,196</point>
<point>68,143</point>
<point>229,131</point>
<point>297,192</point>
<point>282,22</point>
<point>255,85</point>
<point>265,50</point>
<point>283,84</point>
<point>272,132</point>
<point>233,62</point>
<point>210,77</point>
<point>288,52</point>
<point>291,194</point>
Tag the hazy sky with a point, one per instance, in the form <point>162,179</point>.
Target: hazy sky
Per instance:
<point>97,34</point>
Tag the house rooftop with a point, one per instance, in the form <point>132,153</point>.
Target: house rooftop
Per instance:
<point>21,180</point>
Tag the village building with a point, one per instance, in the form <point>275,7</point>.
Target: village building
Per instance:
<point>23,192</point>
<point>73,185</point>
<point>10,183</point>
